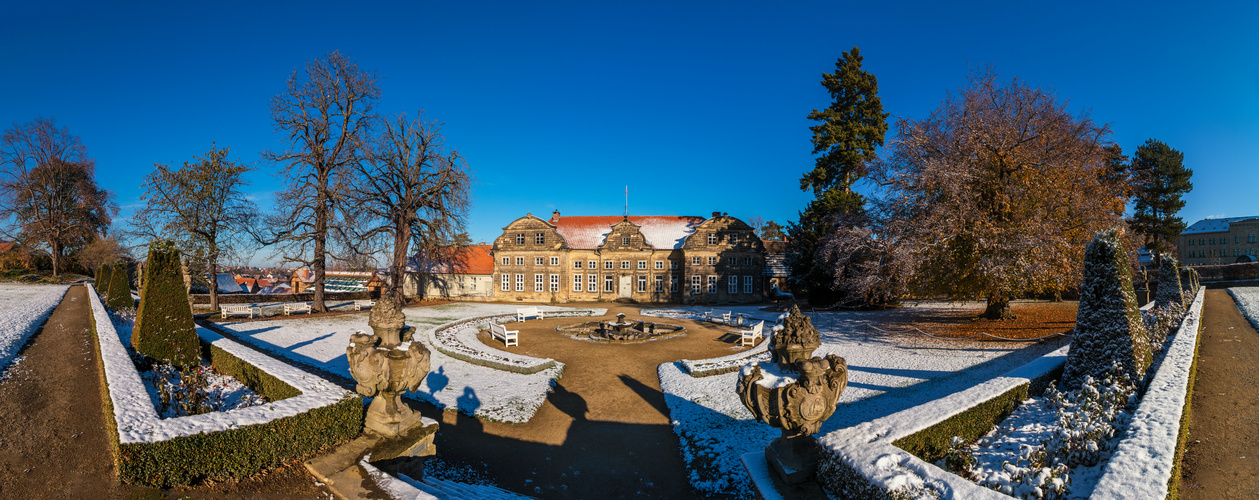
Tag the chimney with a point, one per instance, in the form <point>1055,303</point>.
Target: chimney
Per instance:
<point>555,216</point>
<point>716,214</point>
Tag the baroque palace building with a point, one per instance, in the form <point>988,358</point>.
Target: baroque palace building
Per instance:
<point>1220,241</point>
<point>639,258</point>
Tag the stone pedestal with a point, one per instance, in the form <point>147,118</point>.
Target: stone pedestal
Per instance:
<point>406,453</point>
<point>793,458</point>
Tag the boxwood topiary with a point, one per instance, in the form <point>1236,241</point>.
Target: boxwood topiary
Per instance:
<point>119,295</point>
<point>164,329</point>
<point>102,279</point>
<point>1108,324</point>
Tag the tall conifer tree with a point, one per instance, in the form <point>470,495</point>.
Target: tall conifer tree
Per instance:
<point>1160,179</point>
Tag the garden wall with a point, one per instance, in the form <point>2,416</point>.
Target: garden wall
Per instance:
<point>306,414</point>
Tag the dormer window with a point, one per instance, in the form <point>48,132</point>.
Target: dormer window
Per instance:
<point>520,238</point>
<point>734,238</point>
<point>539,238</point>
<point>712,238</point>
<point>625,240</point>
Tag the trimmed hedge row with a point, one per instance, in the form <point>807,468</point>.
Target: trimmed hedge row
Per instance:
<point>250,298</point>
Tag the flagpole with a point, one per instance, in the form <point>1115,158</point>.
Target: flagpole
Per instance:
<point>627,200</point>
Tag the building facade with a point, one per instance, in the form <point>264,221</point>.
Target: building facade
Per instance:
<point>1220,241</point>
<point>467,276</point>
<point>640,258</point>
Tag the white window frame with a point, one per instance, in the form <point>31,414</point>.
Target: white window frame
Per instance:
<point>712,260</point>
<point>625,264</point>
<point>695,284</point>
<point>520,282</point>
<point>555,283</point>
<point>594,264</point>
<point>732,239</point>
<point>520,261</point>
<point>673,283</point>
<point>732,284</point>
<point>520,238</point>
<point>593,283</point>
<point>506,282</point>
<point>607,264</point>
<point>695,260</point>
<point>608,286</point>
<point>577,281</point>
<point>506,261</point>
<point>712,284</point>
<point>576,264</point>
<point>660,264</point>
<point>539,238</point>
<point>555,261</point>
<point>712,238</point>
<point>659,283</point>
<point>538,283</point>
<point>625,240</point>
<point>642,283</point>
<point>537,261</point>
<point>642,264</point>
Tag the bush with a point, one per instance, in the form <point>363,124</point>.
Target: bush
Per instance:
<point>164,329</point>
<point>1169,286</point>
<point>1108,327</point>
<point>119,291</point>
<point>102,279</point>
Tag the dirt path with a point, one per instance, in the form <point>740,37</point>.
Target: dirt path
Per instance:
<point>55,444</point>
<point>604,432</point>
<point>1222,456</point>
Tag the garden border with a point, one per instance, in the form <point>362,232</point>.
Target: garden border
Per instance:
<point>862,461</point>
<point>509,361</point>
<point>220,445</point>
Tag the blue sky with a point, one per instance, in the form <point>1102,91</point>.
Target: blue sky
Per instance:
<point>697,107</point>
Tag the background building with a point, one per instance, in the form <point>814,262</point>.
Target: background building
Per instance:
<point>638,258</point>
<point>1219,241</point>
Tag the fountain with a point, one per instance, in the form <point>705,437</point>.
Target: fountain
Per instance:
<point>796,393</point>
<point>622,330</point>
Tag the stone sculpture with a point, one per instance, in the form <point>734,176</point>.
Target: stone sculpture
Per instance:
<point>796,393</point>
<point>384,371</point>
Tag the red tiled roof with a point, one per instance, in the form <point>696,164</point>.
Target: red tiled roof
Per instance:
<point>661,231</point>
<point>476,260</point>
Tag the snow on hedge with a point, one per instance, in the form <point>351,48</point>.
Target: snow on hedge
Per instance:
<point>1247,299</point>
<point>22,309</point>
<point>486,392</point>
<point>886,374</point>
<point>137,418</point>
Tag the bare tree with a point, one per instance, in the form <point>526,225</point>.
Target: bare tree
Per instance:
<point>103,250</point>
<point>411,190</point>
<point>48,192</point>
<point>199,206</point>
<point>758,224</point>
<point>995,194</point>
<point>325,111</point>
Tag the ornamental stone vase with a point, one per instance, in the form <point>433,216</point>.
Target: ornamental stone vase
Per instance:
<point>796,341</point>
<point>796,397</point>
<point>384,370</point>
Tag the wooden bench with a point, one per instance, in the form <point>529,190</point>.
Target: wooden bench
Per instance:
<point>296,307</point>
<point>359,305</point>
<point>528,312</point>
<point>509,337</point>
<point>718,317</point>
<point>749,337</point>
<point>238,310</point>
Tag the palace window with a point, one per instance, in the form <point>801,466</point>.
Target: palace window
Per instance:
<point>642,283</point>
<point>673,283</point>
<point>694,261</point>
<point>732,285</point>
<point>576,264</point>
<point>660,264</point>
<point>607,264</point>
<point>1250,239</point>
<point>712,261</point>
<point>695,284</point>
<point>555,261</point>
<point>747,284</point>
<point>539,238</point>
<point>506,261</point>
<point>520,261</point>
<point>659,283</point>
<point>1237,238</point>
<point>520,282</point>
<point>642,264</point>
<point>576,282</point>
<point>594,264</point>
<point>506,282</point>
<point>537,261</point>
<point>625,264</point>
<point>732,261</point>
<point>520,238</point>
<point>712,238</point>
<point>607,283</point>
<point>1190,242</point>
<point>625,240</point>
<point>673,264</point>
<point>555,283</point>
<point>712,284</point>
<point>747,261</point>
<point>537,282</point>
<point>1202,241</point>
<point>593,284</point>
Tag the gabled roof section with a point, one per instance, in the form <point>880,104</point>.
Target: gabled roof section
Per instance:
<point>661,231</point>
<point>1214,225</point>
<point>476,259</point>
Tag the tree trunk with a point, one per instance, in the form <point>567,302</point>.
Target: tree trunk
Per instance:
<point>320,257</point>
<point>398,265</point>
<point>998,307</point>
<point>214,284</point>
<point>55,254</point>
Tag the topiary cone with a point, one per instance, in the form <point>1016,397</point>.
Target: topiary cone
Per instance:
<point>102,280</point>
<point>164,329</point>
<point>119,295</point>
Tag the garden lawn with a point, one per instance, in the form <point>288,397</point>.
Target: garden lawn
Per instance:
<point>1247,299</point>
<point>488,393</point>
<point>23,308</point>
<point>887,373</point>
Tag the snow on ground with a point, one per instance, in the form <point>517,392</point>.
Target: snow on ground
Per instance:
<point>886,374</point>
<point>320,342</point>
<point>23,308</point>
<point>1247,299</point>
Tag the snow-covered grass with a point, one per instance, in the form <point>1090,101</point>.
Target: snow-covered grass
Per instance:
<point>22,309</point>
<point>1140,464</point>
<point>137,418</point>
<point>485,392</point>
<point>1247,299</point>
<point>886,375</point>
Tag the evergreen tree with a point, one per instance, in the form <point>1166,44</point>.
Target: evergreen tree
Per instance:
<point>845,139</point>
<point>1160,179</point>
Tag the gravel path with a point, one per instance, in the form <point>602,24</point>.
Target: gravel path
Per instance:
<point>1222,456</point>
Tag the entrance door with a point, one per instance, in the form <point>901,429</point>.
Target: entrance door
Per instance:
<point>626,287</point>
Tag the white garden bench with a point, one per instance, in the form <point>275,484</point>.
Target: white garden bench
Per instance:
<point>528,312</point>
<point>296,307</point>
<point>749,337</point>
<point>718,317</point>
<point>239,310</point>
<point>509,337</point>
<point>359,305</point>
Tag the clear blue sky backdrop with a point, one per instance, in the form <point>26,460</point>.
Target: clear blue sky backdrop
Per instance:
<point>560,105</point>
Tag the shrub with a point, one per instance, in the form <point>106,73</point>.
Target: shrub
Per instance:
<point>1169,285</point>
<point>119,294</point>
<point>1108,327</point>
<point>164,329</point>
<point>102,279</point>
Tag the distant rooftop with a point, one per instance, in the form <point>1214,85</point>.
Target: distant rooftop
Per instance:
<point>1215,225</point>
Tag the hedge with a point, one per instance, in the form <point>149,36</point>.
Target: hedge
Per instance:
<point>164,329</point>
<point>119,295</point>
<point>102,278</point>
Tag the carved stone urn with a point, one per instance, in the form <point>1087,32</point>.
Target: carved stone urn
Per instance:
<point>796,393</point>
<point>383,370</point>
